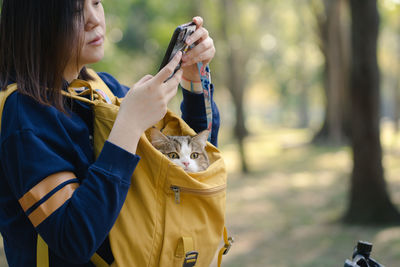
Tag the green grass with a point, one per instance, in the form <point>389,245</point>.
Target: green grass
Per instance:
<point>287,211</point>
<point>284,220</point>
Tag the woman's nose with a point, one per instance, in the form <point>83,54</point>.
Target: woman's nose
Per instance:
<point>92,19</point>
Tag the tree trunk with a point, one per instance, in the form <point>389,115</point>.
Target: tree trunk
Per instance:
<point>396,97</point>
<point>396,100</point>
<point>369,199</point>
<point>235,78</point>
<point>334,46</point>
<point>301,80</point>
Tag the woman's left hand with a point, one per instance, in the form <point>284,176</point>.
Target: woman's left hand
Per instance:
<point>203,51</point>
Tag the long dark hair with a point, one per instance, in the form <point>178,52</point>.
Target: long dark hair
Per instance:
<point>37,39</point>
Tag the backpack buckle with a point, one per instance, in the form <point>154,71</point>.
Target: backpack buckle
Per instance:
<point>190,259</point>
<point>229,245</point>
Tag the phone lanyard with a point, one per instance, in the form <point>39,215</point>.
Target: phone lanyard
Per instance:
<point>205,77</point>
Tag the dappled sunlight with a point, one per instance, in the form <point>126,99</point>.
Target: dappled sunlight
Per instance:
<point>391,159</point>
<point>391,4</point>
<point>293,201</point>
<point>309,179</point>
<point>392,167</point>
<point>387,242</point>
<point>302,234</point>
<point>231,158</point>
<point>337,160</point>
<point>390,138</point>
<point>388,235</point>
<point>266,148</point>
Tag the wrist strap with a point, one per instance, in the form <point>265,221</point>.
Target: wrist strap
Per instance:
<point>194,87</point>
<point>205,77</point>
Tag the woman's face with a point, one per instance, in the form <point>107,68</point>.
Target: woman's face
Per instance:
<point>94,31</point>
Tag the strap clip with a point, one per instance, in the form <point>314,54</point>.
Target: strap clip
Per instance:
<point>228,246</point>
<point>190,259</point>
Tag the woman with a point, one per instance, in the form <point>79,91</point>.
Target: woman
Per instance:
<point>50,184</point>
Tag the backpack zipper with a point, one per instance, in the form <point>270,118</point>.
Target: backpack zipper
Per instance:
<point>201,192</point>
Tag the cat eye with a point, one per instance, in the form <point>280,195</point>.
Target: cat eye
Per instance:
<point>194,155</point>
<point>173,155</point>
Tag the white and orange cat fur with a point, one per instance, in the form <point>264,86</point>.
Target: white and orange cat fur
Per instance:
<point>185,151</point>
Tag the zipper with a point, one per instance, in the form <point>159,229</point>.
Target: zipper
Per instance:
<point>177,192</point>
<point>201,192</point>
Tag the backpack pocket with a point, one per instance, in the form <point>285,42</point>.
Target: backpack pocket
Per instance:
<point>194,215</point>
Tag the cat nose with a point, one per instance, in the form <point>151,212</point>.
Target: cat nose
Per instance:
<point>185,163</point>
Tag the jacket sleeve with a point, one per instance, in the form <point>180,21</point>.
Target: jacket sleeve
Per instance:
<point>76,229</point>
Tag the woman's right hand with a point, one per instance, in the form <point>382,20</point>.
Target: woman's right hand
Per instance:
<point>144,105</point>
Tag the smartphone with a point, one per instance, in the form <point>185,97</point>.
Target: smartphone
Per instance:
<point>177,43</point>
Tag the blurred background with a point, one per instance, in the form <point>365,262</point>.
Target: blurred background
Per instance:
<point>309,97</point>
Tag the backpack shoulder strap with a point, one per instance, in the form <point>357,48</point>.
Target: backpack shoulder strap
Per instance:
<point>3,97</point>
<point>101,87</point>
<point>227,246</point>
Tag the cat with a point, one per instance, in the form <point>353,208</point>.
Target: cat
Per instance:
<point>185,151</point>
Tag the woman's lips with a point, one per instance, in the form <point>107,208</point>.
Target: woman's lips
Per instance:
<point>97,41</point>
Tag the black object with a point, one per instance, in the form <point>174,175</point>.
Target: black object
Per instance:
<point>361,256</point>
<point>177,43</point>
<point>190,259</point>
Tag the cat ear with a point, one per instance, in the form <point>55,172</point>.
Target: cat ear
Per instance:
<point>202,137</point>
<point>157,138</point>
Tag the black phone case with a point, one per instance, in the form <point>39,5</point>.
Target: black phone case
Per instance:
<point>172,44</point>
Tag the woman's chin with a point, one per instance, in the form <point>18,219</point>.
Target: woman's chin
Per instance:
<point>94,57</point>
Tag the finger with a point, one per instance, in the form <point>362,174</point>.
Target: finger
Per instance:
<point>199,35</point>
<point>204,57</point>
<point>167,71</point>
<point>198,21</point>
<point>198,49</point>
<point>175,80</point>
<point>173,85</point>
<point>145,79</point>
<point>171,94</point>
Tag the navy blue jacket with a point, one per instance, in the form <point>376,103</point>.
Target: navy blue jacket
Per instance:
<point>37,141</point>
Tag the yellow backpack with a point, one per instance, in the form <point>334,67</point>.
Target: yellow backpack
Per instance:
<point>170,217</point>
